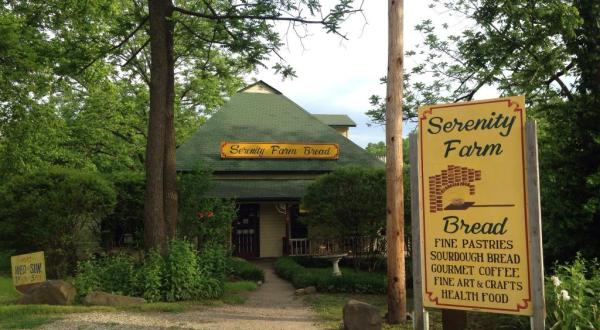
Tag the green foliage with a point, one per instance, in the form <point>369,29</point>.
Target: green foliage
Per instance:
<point>573,296</point>
<point>323,279</point>
<point>128,214</point>
<point>114,274</point>
<point>57,211</point>
<point>349,201</point>
<point>242,269</point>
<point>206,219</point>
<point>148,280</point>
<point>213,261</point>
<point>377,149</point>
<point>5,260</point>
<point>87,278</point>
<point>8,293</point>
<point>181,275</point>
<point>548,51</point>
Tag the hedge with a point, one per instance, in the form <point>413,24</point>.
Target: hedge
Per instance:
<point>351,281</point>
<point>244,270</point>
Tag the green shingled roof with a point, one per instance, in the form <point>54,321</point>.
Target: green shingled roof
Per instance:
<point>260,117</point>
<point>336,120</point>
<point>260,189</point>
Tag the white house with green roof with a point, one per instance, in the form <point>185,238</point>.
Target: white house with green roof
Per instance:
<point>265,150</point>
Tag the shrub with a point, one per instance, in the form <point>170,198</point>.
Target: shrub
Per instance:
<point>114,274</point>
<point>56,210</point>
<point>205,220</point>
<point>181,272</point>
<point>350,282</point>
<point>5,261</point>
<point>181,275</point>
<point>128,214</point>
<point>242,269</point>
<point>87,278</point>
<point>149,277</point>
<point>213,261</point>
<point>573,295</point>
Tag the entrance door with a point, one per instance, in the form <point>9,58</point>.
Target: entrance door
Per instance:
<point>244,237</point>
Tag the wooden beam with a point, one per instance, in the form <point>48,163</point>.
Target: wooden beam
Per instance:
<point>535,227</point>
<point>394,165</point>
<point>420,318</point>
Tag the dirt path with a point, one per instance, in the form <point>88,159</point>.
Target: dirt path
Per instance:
<point>271,307</point>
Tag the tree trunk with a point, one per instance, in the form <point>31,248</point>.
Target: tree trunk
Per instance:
<point>394,176</point>
<point>170,171</point>
<point>161,71</point>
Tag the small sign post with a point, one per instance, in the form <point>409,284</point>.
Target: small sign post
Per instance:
<point>480,243</point>
<point>27,270</point>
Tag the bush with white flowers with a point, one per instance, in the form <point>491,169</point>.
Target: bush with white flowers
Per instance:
<point>573,296</point>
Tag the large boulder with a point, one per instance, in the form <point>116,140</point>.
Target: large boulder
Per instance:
<point>53,292</point>
<point>99,298</point>
<point>361,316</point>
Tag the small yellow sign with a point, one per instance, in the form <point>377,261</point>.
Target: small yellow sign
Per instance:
<point>473,202</point>
<point>28,268</point>
<point>284,150</point>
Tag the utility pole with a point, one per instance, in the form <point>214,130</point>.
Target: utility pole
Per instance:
<point>394,166</point>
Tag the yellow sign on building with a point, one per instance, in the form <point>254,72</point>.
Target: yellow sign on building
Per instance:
<point>473,202</point>
<point>28,268</point>
<point>285,150</point>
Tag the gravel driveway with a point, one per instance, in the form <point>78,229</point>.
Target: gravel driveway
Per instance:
<point>273,306</point>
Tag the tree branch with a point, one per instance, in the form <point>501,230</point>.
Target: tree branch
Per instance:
<point>136,52</point>
<point>119,45</point>
<point>216,16</point>
<point>556,77</point>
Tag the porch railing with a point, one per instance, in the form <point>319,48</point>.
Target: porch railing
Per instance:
<point>356,246</point>
<point>299,247</point>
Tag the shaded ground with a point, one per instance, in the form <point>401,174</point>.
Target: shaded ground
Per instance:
<point>273,306</point>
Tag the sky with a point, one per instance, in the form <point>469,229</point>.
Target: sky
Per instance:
<point>338,76</point>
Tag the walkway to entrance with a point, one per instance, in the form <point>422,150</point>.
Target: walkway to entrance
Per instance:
<point>273,306</point>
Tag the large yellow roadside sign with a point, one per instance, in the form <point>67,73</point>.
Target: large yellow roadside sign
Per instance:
<point>473,202</point>
<point>28,268</point>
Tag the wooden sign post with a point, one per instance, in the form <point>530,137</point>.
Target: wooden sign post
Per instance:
<point>479,224</point>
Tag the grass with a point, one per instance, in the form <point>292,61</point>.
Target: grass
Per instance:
<point>329,308</point>
<point>32,316</point>
<point>8,294</point>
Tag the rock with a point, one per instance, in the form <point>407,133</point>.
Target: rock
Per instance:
<point>307,290</point>
<point>361,316</point>
<point>310,290</point>
<point>52,292</point>
<point>259,283</point>
<point>99,298</point>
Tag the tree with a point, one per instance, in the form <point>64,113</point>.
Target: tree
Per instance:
<point>70,97</point>
<point>377,149</point>
<point>190,56</point>
<point>347,203</point>
<point>57,211</point>
<point>243,28</point>
<point>550,52</point>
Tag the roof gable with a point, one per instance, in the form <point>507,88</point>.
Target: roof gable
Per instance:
<point>259,87</point>
<point>336,120</point>
<point>261,117</point>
